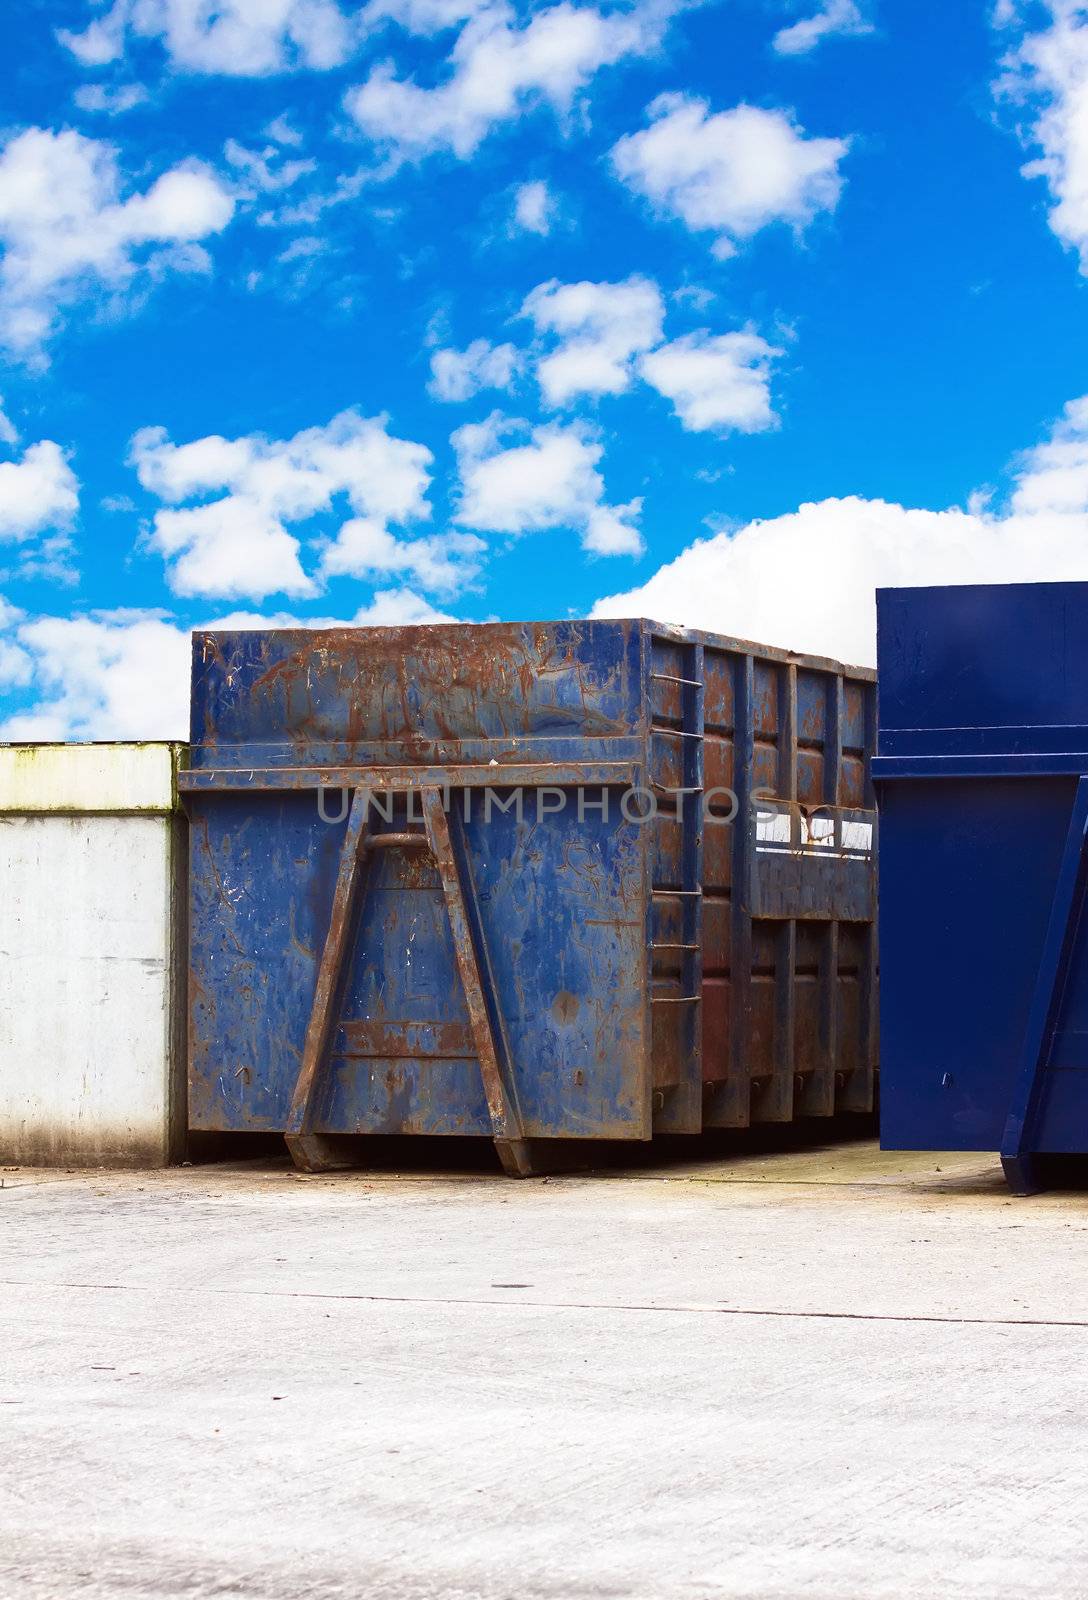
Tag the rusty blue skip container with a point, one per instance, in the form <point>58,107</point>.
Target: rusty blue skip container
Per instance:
<point>982,777</point>
<point>486,880</point>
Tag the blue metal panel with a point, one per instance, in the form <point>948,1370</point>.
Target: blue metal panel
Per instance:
<point>1055,1035</point>
<point>980,773</point>
<point>337,694</point>
<point>261,876</point>
<point>967,876</point>
<point>566,948</point>
<point>982,656</point>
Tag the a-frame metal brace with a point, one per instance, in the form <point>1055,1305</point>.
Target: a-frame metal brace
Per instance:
<point>1018,1156</point>
<point>314,1152</point>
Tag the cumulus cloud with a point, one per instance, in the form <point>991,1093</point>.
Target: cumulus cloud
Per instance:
<point>842,17</point>
<point>600,328</point>
<point>236,542</point>
<point>500,67</point>
<point>457,375</point>
<point>423,17</point>
<point>236,38</point>
<point>16,666</point>
<point>1047,72</point>
<point>9,433</point>
<point>613,530</point>
<point>66,231</point>
<point>281,130</point>
<point>535,208</point>
<point>729,172</point>
<point>548,480</point>
<point>109,675</point>
<point>39,493</point>
<point>598,338</point>
<point>111,100</point>
<point>395,608</point>
<point>441,563</point>
<point>1053,477</point>
<point>805,581</point>
<point>716,382</point>
<point>125,674</point>
<point>232,546</point>
<point>263,171</point>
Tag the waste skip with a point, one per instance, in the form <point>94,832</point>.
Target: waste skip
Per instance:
<point>982,777</point>
<point>92,955</point>
<point>537,882</point>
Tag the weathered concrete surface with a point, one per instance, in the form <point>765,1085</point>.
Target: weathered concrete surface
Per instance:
<point>92,954</point>
<point>834,1375</point>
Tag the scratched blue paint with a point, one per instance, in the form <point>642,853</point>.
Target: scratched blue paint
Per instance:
<point>982,742</point>
<point>260,890</point>
<point>543,681</point>
<point>559,974</point>
<point>595,927</point>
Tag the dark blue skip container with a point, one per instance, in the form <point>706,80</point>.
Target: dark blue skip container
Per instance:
<point>981,775</point>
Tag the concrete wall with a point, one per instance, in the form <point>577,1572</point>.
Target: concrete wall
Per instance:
<point>92,955</point>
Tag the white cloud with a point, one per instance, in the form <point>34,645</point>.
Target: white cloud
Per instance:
<point>731,172</point>
<point>65,231</point>
<point>110,675</point>
<point>1048,72</point>
<point>423,17</point>
<point>1053,476</point>
<point>233,546</point>
<point>388,608</point>
<point>398,608</point>
<point>695,295</point>
<point>459,374</point>
<point>125,674</point>
<point>281,130</point>
<point>16,666</point>
<point>601,327</point>
<point>237,38</point>
<point>9,433</point>
<point>112,100</point>
<point>307,212</point>
<point>549,481</point>
<point>805,581</point>
<point>535,208</point>
<point>237,543</point>
<point>610,333</point>
<point>39,493</point>
<point>613,530</point>
<point>441,563</point>
<point>719,382</point>
<point>842,17</point>
<point>498,70</point>
<point>304,248</point>
<point>262,171</point>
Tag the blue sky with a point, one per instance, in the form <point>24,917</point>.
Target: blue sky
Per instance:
<point>721,313</point>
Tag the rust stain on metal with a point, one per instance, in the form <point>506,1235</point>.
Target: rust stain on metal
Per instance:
<point>565,1007</point>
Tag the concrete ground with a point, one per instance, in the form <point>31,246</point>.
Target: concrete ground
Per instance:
<point>836,1374</point>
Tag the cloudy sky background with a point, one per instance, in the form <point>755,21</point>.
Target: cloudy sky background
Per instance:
<point>423,309</point>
